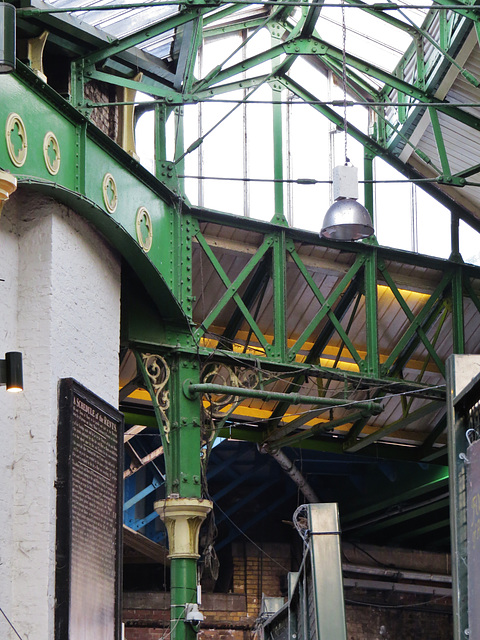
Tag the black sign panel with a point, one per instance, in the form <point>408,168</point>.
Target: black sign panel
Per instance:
<point>89,516</point>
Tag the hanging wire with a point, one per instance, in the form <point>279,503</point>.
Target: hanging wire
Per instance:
<point>376,6</point>
<point>412,605</point>
<point>344,79</point>
<point>217,351</point>
<point>300,102</point>
<point>242,532</point>
<point>312,181</point>
<point>7,619</point>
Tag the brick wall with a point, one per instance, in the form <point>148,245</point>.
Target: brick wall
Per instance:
<point>256,573</point>
<point>371,615</point>
<point>227,616</point>
<point>400,616</point>
<point>105,118</point>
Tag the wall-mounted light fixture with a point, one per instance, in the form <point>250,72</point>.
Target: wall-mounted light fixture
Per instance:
<point>8,184</point>
<point>11,371</point>
<point>7,37</point>
<point>346,219</point>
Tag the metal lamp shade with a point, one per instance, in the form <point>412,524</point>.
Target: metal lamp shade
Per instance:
<point>347,220</point>
<point>7,37</point>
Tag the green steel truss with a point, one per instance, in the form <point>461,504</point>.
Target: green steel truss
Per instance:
<point>185,317</point>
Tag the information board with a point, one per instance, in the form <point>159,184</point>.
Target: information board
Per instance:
<point>89,516</point>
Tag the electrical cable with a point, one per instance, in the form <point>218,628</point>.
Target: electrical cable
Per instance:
<point>309,370</point>
<point>378,6</point>
<point>313,181</point>
<point>297,101</point>
<point>239,362</point>
<point>10,623</point>
<point>369,555</point>
<point>170,631</point>
<point>245,535</point>
<point>379,605</point>
<point>344,81</point>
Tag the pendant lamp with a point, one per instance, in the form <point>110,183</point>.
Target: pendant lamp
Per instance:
<point>346,219</point>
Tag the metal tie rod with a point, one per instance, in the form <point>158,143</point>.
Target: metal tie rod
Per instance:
<point>191,389</point>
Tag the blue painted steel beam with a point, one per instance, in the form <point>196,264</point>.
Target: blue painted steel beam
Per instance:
<point>142,494</point>
<point>141,522</point>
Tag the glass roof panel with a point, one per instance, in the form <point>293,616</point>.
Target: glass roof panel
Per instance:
<point>123,22</point>
<point>368,36</point>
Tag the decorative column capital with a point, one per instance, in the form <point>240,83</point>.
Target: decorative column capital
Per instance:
<point>183,518</point>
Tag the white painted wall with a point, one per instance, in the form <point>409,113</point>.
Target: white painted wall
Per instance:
<point>60,306</point>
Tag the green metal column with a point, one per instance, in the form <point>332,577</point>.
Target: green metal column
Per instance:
<point>77,86</point>
<point>368,185</point>
<point>178,415</point>
<point>180,147</point>
<point>278,149</point>
<point>183,589</point>
<point>160,118</point>
<point>457,312</point>
<point>184,447</point>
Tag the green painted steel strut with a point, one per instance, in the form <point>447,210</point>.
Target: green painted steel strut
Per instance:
<point>279,297</point>
<point>278,148</point>
<point>368,187</point>
<point>371,314</point>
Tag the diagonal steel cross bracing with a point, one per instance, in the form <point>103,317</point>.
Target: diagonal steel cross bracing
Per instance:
<point>188,47</point>
<point>323,338</point>
<point>296,439</point>
<point>253,294</point>
<point>232,290</point>
<point>171,22</point>
<point>399,356</point>
<point>326,310</point>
